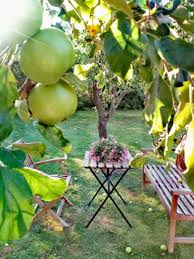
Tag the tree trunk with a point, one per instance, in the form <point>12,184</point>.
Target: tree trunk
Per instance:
<point>102,123</point>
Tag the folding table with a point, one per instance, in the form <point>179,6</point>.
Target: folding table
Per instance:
<point>107,169</point>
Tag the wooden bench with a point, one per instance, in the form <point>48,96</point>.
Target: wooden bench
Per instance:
<point>174,194</point>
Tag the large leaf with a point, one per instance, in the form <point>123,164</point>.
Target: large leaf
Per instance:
<point>35,149</point>
<point>55,136</point>
<point>16,210</point>
<point>178,53</point>
<point>11,158</point>
<point>43,185</point>
<point>121,46</point>
<point>159,105</point>
<point>189,154</point>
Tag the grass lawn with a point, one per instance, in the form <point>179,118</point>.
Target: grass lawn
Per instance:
<point>109,235</point>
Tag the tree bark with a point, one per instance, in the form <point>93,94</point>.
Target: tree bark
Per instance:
<point>102,123</point>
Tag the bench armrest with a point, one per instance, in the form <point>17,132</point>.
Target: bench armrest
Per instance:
<point>55,160</point>
<point>181,192</point>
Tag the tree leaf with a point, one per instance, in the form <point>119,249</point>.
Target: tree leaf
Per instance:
<point>141,3</point>
<point>74,81</point>
<point>35,149</point>
<point>43,185</point>
<point>189,154</point>
<point>54,136</point>
<point>177,52</point>
<point>88,3</point>
<point>121,46</point>
<point>139,160</point>
<point>11,158</point>
<point>8,88</point>
<point>181,16</point>
<point>81,71</point>
<point>120,5</point>
<point>8,93</point>
<point>6,126</point>
<point>159,105</point>
<point>16,209</point>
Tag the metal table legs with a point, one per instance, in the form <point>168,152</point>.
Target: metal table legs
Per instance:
<point>109,190</point>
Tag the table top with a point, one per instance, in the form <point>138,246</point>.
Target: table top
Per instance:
<point>88,163</point>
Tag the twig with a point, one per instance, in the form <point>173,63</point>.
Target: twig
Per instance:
<point>4,51</point>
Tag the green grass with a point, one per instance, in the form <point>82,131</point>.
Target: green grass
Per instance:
<point>108,236</point>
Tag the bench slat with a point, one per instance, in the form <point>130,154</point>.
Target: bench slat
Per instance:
<point>174,184</point>
<point>154,182</point>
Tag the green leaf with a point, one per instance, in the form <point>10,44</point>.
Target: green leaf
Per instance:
<point>88,3</point>
<point>8,93</point>
<point>56,3</point>
<point>177,52</point>
<point>16,209</point>
<point>43,185</point>
<point>73,80</point>
<point>6,126</point>
<point>8,88</point>
<point>11,158</point>
<point>120,5</point>
<point>35,149</point>
<point>81,71</point>
<point>141,3</point>
<point>121,46</point>
<point>159,105</point>
<point>189,154</point>
<point>54,136</point>
<point>182,17</point>
<point>139,160</point>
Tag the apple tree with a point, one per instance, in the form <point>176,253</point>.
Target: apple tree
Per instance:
<point>157,35</point>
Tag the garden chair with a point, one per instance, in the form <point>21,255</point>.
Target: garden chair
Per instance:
<point>46,207</point>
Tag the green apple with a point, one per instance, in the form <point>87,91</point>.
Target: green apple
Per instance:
<point>163,248</point>
<point>128,250</point>
<point>19,20</point>
<point>46,56</point>
<point>150,210</point>
<point>53,103</point>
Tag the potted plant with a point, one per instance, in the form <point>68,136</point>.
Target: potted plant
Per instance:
<point>108,150</point>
